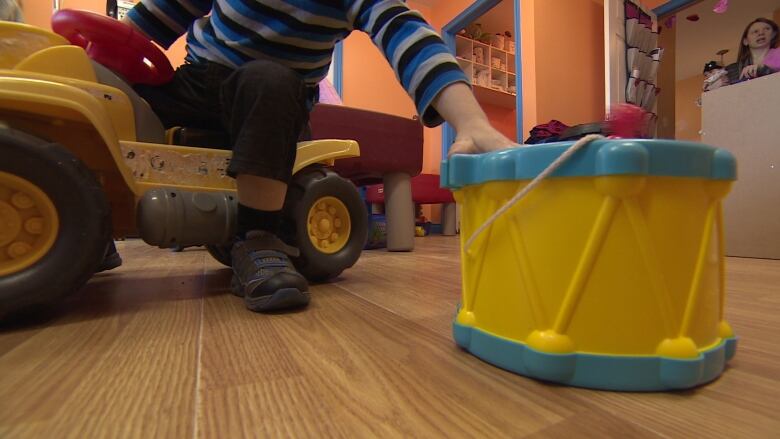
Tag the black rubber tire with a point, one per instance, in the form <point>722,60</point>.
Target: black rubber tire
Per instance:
<point>221,253</point>
<point>307,187</point>
<point>84,222</point>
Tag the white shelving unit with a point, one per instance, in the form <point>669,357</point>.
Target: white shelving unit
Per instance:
<point>491,70</point>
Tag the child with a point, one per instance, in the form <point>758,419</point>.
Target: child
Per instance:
<point>252,68</point>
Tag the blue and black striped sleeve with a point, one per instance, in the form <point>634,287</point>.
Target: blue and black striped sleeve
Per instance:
<point>422,62</point>
<point>166,20</point>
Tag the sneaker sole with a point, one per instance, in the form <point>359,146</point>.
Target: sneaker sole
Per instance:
<point>109,263</point>
<point>235,287</point>
<point>284,298</point>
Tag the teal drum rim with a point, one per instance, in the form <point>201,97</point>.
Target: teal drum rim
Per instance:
<point>664,158</point>
<point>605,372</point>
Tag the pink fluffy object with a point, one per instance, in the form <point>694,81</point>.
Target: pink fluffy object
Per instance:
<point>772,59</point>
<point>721,7</point>
<point>328,93</point>
<point>627,121</point>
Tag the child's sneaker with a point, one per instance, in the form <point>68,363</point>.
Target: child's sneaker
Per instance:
<point>264,275</point>
<point>111,260</point>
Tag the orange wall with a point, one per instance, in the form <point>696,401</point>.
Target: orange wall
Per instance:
<point>687,113</point>
<point>503,119</point>
<point>177,52</point>
<point>370,83</point>
<point>569,36</point>
<point>38,13</point>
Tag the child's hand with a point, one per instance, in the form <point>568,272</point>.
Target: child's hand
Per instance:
<point>479,138</point>
<point>458,106</point>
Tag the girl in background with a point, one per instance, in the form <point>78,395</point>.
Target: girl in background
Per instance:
<point>758,52</point>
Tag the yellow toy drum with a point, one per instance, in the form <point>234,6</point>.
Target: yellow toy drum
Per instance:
<point>608,275</point>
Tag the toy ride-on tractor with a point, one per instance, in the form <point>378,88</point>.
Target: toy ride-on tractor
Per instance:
<point>83,160</point>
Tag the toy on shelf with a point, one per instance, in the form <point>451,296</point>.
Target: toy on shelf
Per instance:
<point>607,275</point>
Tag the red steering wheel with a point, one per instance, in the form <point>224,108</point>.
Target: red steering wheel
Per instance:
<point>115,45</point>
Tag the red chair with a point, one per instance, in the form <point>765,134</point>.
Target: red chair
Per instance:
<point>391,152</point>
<point>425,190</point>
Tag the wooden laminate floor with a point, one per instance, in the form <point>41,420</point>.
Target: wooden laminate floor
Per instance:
<point>160,349</point>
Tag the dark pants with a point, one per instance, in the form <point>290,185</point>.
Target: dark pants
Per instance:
<point>263,106</point>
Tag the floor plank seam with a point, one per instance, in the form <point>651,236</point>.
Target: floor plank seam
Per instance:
<point>642,426</point>
<point>370,301</point>
<point>382,307</point>
<point>198,367</point>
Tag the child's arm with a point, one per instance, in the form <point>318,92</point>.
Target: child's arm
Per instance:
<point>164,21</point>
<point>428,71</point>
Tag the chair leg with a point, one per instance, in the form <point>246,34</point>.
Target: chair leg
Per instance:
<point>458,211</point>
<point>448,219</point>
<point>399,211</point>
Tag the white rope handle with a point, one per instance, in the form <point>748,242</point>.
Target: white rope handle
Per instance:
<point>530,186</point>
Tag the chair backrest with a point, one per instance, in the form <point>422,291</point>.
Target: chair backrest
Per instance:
<point>148,127</point>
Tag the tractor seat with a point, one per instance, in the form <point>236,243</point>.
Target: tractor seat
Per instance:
<point>198,137</point>
<point>149,129</point>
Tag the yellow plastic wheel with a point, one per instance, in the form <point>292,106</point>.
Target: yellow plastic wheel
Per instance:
<point>55,223</point>
<point>329,225</point>
<point>329,222</point>
<point>28,224</point>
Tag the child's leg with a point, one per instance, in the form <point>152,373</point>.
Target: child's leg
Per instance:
<point>264,109</point>
<point>182,102</point>
<point>191,99</point>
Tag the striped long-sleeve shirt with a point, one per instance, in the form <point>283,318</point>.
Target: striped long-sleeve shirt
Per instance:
<point>301,34</point>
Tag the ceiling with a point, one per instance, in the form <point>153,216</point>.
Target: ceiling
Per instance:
<point>698,42</point>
